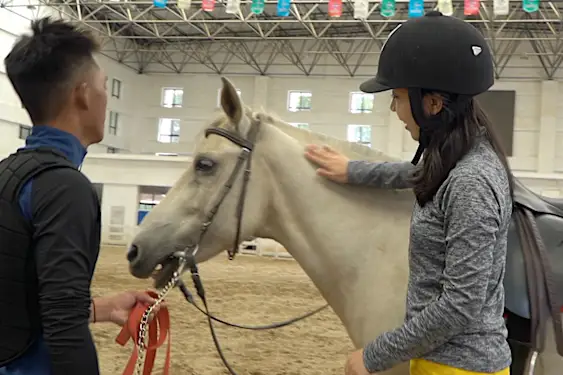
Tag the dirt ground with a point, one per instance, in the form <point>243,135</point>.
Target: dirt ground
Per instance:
<point>250,290</point>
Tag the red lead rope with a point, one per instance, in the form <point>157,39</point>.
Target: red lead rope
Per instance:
<point>158,332</point>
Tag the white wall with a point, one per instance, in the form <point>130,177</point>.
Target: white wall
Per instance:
<point>14,22</point>
<point>538,117</point>
<point>119,213</point>
<point>538,123</point>
<point>538,134</point>
<point>122,175</point>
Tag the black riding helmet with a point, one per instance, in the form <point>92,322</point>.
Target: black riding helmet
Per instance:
<point>437,53</point>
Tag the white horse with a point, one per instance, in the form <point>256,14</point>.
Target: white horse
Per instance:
<point>351,241</point>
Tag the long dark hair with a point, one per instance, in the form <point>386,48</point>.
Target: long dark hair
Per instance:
<point>451,142</point>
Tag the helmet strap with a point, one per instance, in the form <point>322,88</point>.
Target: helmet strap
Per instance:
<point>426,124</point>
<point>429,124</point>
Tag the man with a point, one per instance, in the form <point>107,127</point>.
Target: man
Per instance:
<point>50,214</point>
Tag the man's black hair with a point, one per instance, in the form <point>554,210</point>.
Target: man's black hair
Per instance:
<point>42,67</point>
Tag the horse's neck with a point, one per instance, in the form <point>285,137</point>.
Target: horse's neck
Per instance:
<point>352,242</point>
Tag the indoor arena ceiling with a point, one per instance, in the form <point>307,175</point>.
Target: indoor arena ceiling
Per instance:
<point>174,40</point>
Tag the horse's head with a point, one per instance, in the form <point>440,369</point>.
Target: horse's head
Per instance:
<point>204,207</point>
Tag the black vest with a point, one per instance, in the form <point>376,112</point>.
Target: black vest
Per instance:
<point>19,312</point>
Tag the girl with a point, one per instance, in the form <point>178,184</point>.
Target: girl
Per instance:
<point>435,66</point>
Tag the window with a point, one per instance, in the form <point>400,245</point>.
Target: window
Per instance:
<point>300,125</point>
<point>116,88</point>
<point>172,97</point>
<point>112,150</point>
<point>299,101</point>
<point>25,131</point>
<point>146,206</point>
<point>360,134</point>
<point>168,130</point>
<point>151,199</point>
<point>219,96</point>
<point>361,102</point>
<point>113,122</point>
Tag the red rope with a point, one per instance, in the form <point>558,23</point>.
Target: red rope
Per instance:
<point>158,332</point>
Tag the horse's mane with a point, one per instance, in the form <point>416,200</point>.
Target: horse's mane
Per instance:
<point>350,149</point>
<point>304,136</point>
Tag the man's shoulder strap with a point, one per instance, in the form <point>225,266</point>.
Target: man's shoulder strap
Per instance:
<point>19,167</point>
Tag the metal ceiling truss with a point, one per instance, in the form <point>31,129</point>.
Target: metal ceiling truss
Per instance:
<point>308,42</point>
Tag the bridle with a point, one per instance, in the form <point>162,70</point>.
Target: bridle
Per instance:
<point>186,257</point>
<point>244,159</point>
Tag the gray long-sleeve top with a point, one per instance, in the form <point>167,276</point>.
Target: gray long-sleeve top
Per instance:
<point>457,252</point>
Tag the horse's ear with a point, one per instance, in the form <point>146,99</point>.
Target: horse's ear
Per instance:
<point>231,102</point>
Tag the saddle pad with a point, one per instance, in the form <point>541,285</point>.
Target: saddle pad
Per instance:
<point>516,290</point>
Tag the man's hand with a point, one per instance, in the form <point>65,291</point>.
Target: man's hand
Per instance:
<point>355,364</point>
<point>116,308</point>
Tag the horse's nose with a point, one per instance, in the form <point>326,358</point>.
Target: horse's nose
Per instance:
<point>132,253</point>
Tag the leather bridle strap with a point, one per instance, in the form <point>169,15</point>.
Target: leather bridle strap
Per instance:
<point>159,331</point>
<point>244,156</point>
<point>247,146</point>
<point>233,137</point>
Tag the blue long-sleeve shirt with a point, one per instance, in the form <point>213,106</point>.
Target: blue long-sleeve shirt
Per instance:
<point>59,205</point>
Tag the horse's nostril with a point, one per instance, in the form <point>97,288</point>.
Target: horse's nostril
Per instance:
<point>132,253</point>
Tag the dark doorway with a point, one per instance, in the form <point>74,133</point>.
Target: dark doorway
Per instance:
<point>499,105</point>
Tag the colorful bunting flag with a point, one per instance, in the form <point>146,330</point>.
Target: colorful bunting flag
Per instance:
<point>208,5</point>
<point>283,8</point>
<point>233,6</point>
<point>361,9</point>
<point>446,7</point>
<point>387,8</point>
<point>334,8</point>
<point>257,6</point>
<point>471,7</point>
<point>530,6</point>
<point>501,7</point>
<point>416,8</point>
<point>184,4</point>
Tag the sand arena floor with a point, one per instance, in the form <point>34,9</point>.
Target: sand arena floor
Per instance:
<point>250,290</point>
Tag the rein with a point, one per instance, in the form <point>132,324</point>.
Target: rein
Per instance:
<point>144,354</point>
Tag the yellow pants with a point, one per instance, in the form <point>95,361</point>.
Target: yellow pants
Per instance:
<point>424,367</point>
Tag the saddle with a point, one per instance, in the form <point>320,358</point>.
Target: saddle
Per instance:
<point>534,267</point>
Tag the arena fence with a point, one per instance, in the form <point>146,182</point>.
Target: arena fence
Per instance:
<point>264,247</point>
<point>120,236</point>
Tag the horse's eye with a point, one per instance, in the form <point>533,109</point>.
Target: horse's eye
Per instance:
<point>204,165</point>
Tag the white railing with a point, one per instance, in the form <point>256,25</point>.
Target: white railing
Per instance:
<point>264,247</point>
<point>120,236</point>
<point>117,235</point>
<point>550,185</point>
